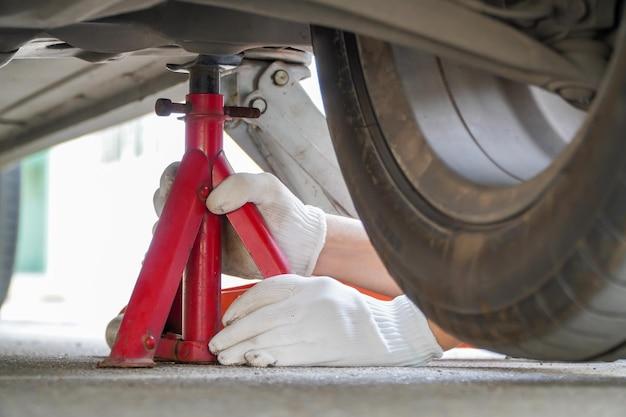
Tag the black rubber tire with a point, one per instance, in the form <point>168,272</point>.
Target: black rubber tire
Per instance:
<point>548,283</point>
<point>9,215</point>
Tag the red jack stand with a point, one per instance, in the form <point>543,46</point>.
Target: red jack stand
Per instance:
<point>179,282</point>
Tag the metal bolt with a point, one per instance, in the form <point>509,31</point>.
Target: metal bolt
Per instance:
<point>165,107</point>
<point>244,112</point>
<point>149,342</point>
<point>204,192</point>
<point>280,77</point>
<point>259,103</point>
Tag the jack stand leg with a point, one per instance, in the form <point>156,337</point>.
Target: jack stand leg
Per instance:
<point>163,266</point>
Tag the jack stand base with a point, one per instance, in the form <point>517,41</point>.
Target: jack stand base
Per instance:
<point>126,363</point>
<point>173,349</point>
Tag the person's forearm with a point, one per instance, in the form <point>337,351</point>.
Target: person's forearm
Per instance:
<point>348,255</point>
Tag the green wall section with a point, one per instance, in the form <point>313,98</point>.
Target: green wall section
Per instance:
<point>33,223</point>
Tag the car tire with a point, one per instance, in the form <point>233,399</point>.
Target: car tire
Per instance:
<point>545,277</point>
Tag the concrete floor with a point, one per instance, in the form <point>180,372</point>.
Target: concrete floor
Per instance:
<point>49,370</point>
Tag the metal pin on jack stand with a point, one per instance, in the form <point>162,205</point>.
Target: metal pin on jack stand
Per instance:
<point>179,282</point>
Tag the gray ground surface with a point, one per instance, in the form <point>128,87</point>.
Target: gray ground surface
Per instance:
<point>50,371</point>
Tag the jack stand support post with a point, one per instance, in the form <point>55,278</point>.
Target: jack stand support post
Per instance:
<point>187,241</point>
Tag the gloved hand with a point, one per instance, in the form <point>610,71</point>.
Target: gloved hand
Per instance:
<point>299,229</point>
<point>289,320</point>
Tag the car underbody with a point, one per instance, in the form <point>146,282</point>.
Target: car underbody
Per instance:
<point>57,92</point>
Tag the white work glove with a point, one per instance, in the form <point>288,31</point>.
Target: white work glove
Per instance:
<point>299,229</point>
<point>289,320</point>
